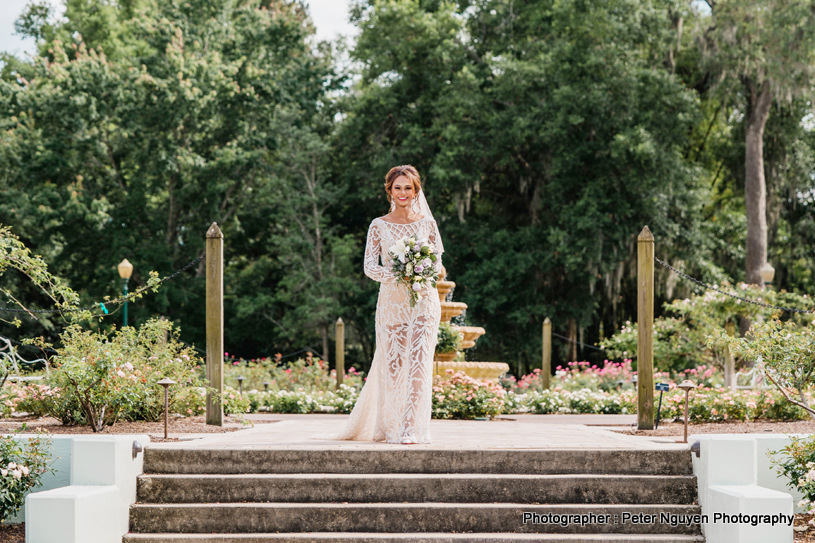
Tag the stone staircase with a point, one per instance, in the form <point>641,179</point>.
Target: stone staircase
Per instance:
<point>413,495</point>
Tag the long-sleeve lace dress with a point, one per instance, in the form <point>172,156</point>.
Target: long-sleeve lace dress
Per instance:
<point>395,403</point>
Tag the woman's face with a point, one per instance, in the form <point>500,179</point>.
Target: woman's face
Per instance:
<point>402,192</point>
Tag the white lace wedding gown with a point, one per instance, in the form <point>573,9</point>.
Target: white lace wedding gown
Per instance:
<point>395,403</point>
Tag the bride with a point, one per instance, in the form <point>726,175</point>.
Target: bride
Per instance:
<point>395,403</point>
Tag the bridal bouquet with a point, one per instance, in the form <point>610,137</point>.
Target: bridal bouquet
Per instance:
<point>413,260</point>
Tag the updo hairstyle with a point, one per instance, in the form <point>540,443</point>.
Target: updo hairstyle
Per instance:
<point>408,171</point>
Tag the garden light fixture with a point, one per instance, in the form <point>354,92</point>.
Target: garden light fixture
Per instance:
<point>166,382</point>
<point>767,273</point>
<point>687,386</point>
<point>240,379</point>
<point>125,271</point>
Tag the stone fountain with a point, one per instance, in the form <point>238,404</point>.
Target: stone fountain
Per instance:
<point>483,371</point>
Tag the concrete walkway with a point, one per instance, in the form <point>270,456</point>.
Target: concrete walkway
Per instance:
<point>316,431</point>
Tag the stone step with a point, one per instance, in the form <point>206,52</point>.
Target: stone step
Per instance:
<point>160,460</point>
<point>355,537</point>
<point>409,518</point>
<point>454,488</point>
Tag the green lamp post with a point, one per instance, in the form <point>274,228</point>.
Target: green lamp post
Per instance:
<point>125,271</point>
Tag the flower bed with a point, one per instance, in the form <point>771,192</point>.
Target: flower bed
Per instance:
<point>458,396</point>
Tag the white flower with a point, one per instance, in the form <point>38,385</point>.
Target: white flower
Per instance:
<point>399,249</point>
<point>11,465</point>
<point>129,366</point>
<point>120,373</point>
<point>3,472</point>
<point>25,470</point>
<point>417,286</point>
<point>409,268</point>
<point>17,474</point>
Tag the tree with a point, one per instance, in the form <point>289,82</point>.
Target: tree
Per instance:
<point>548,133</point>
<point>135,153</point>
<point>768,46</point>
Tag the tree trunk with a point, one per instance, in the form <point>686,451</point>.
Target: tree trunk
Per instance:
<point>324,333</point>
<point>572,331</point>
<point>755,187</point>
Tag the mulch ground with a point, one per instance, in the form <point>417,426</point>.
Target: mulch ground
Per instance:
<point>178,425</point>
<point>13,533</point>
<point>807,531</point>
<point>757,427</point>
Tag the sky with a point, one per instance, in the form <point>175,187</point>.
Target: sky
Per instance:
<point>330,17</point>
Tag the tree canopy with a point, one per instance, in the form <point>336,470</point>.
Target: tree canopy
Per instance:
<point>547,133</point>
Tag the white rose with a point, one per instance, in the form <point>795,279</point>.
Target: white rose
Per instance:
<point>25,470</point>
<point>17,474</point>
<point>4,472</point>
<point>11,465</point>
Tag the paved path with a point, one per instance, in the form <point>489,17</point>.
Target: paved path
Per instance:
<point>508,432</point>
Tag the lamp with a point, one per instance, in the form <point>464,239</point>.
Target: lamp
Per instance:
<point>687,386</point>
<point>125,271</point>
<point>166,382</point>
<point>767,272</point>
<point>240,379</point>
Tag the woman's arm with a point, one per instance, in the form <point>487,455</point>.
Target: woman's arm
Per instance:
<point>372,252</point>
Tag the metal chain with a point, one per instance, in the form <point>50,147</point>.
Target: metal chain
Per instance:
<point>117,301</point>
<point>570,340</point>
<point>736,296</point>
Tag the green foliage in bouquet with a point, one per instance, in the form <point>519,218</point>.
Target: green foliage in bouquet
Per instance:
<point>22,465</point>
<point>449,339</point>
<point>413,260</point>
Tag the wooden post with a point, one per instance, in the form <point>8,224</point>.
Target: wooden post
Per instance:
<point>215,324</point>
<point>546,365</point>
<point>729,361</point>
<point>340,363</point>
<point>645,329</point>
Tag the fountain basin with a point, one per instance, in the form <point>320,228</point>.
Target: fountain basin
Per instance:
<point>444,288</point>
<point>451,309</point>
<point>471,335</point>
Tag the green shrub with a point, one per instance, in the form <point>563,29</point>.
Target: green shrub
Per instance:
<point>784,353</point>
<point>458,396</point>
<point>22,465</point>
<point>796,462</point>
<point>449,339</point>
<point>100,378</point>
<point>309,373</point>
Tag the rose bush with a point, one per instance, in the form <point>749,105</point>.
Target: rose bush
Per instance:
<point>22,465</point>
<point>796,462</point>
<point>458,396</point>
<point>309,373</point>
<point>100,378</point>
